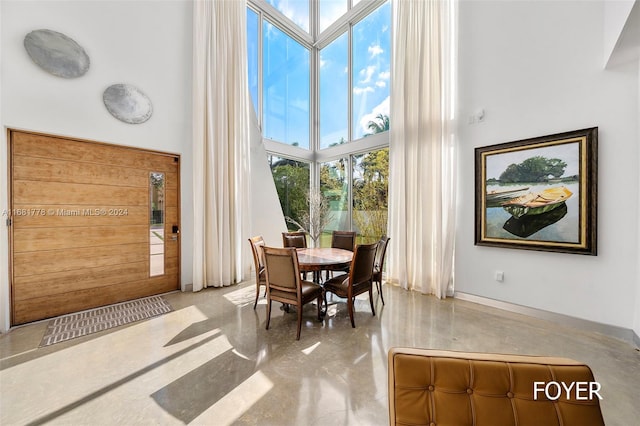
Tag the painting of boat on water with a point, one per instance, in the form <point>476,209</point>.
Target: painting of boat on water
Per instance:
<point>495,197</point>
<point>537,203</point>
<point>538,194</point>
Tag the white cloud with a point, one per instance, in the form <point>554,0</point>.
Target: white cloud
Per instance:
<point>271,30</point>
<point>330,12</point>
<point>346,70</point>
<point>361,90</point>
<point>384,75</point>
<point>381,108</point>
<point>300,104</point>
<point>381,83</point>
<point>375,50</point>
<point>322,63</point>
<point>288,9</point>
<point>367,73</point>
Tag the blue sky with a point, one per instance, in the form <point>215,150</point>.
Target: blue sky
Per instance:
<point>286,75</point>
<point>371,65</point>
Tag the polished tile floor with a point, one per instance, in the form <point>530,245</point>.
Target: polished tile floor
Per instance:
<point>211,362</point>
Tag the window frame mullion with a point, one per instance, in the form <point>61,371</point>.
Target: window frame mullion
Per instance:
<point>314,41</point>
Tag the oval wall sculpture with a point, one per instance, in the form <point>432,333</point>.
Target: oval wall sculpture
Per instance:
<point>127,103</point>
<point>56,53</point>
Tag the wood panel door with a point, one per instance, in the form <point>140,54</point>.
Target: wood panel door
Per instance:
<point>89,224</point>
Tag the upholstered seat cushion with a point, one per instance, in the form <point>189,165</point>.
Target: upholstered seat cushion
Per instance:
<point>340,285</point>
<point>337,284</point>
<point>309,291</point>
<point>430,387</point>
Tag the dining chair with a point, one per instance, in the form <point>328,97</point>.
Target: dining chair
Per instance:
<point>358,281</point>
<point>378,265</point>
<point>284,283</point>
<point>297,239</point>
<point>261,279</point>
<point>345,240</point>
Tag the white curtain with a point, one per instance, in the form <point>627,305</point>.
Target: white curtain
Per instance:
<point>422,163</point>
<point>220,143</point>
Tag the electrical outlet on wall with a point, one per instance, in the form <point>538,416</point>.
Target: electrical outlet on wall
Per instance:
<point>499,276</point>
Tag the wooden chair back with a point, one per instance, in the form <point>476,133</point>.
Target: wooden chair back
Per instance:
<point>257,243</point>
<point>361,270</point>
<point>296,239</point>
<point>345,240</point>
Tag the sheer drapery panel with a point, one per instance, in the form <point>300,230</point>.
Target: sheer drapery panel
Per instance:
<point>422,149</point>
<point>220,143</point>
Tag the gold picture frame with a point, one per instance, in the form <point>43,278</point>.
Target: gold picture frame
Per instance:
<point>539,193</point>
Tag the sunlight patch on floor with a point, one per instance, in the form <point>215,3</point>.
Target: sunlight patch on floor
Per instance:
<point>112,366</point>
<point>137,391</point>
<point>242,296</point>
<point>234,404</point>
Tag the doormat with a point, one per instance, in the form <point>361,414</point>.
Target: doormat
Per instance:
<point>70,326</point>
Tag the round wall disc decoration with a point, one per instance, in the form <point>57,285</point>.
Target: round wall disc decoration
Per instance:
<point>127,103</point>
<point>56,53</point>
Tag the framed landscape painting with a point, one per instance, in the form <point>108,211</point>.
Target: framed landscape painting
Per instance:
<point>539,194</point>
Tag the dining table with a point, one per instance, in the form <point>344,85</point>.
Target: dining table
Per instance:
<point>318,259</point>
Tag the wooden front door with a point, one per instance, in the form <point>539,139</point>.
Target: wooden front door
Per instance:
<point>91,224</point>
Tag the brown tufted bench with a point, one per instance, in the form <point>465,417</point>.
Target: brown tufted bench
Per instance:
<point>446,388</point>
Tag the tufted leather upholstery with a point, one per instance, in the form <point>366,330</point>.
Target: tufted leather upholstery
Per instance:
<point>446,388</point>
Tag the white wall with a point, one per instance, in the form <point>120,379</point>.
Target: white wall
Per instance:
<point>267,218</point>
<point>616,13</point>
<point>536,68</point>
<point>144,43</point>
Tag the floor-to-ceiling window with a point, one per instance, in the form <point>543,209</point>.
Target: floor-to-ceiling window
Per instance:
<point>292,184</point>
<point>334,187</point>
<point>370,52</point>
<point>370,188</point>
<point>319,75</point>
<point>334,92</point>
<point>285,87</point>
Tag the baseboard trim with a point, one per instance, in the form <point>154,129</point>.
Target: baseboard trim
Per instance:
<point>621,333</point>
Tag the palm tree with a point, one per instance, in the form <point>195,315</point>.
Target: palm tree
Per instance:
<point>370,194</point>
<point>379,124</point>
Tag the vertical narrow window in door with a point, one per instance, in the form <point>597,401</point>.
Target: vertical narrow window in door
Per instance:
<point>156,224</point>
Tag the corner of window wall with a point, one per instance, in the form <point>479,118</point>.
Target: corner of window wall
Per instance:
<point>335,90</point>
